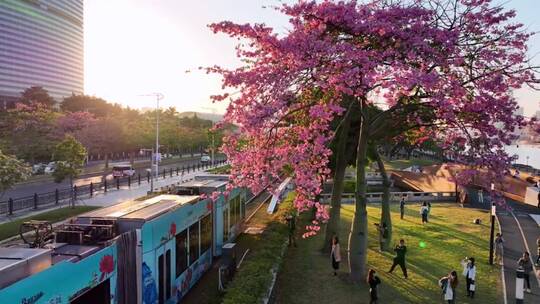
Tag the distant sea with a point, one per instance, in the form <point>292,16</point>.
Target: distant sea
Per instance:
<point>524,151</point>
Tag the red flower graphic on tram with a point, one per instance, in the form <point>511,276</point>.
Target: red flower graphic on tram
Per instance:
<point>172,229</point>
<point>209,206</point>
<point>106,265</point>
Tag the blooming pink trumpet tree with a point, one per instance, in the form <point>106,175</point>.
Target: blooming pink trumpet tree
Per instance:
<point>458,58</point>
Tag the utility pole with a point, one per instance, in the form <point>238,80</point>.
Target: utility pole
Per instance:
<point>158,97</point>
<point>213,134</point>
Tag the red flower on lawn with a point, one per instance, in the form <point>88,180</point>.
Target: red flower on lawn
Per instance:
<point>106,265</point>
<point>172,229</point>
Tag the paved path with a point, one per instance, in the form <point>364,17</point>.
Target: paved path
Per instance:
<point>115,196</point>
<point>520,232</point>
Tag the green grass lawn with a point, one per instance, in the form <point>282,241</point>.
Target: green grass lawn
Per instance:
<point>306,276</point>
<point>400,164</point>
<point>12,228</point>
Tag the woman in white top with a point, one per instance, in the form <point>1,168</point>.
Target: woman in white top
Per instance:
<point>469,271</point>
<point>449,285</point>
<point>335,254</point>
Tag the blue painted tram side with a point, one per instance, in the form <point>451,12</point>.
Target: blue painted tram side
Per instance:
<point>157,250</point>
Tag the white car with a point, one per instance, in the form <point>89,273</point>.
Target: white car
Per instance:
<point>205,159</point>
<point>123,170</point>
<point>49,169</point>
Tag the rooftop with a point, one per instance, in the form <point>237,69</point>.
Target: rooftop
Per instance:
<point>142,210</point>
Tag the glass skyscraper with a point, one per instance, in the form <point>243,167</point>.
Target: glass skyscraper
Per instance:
<point>41,44</point>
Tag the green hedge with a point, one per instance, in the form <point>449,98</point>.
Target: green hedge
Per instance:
<point>253,279</point>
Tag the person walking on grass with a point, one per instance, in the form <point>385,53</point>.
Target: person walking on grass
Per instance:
<point>469,271</point>
<point>399,259</point>
<point>499,244</point>
<point>373,280</point>
<point>448,285</point>
<point>335,254</point>
<point>291,223</point>
<point>538,251</point>
<point>424,212</point>
<point>526,264</point>
<point>481,196</point>
<point>402,207</point>
<point>383,234</point>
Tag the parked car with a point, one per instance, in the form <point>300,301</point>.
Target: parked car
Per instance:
<point>123,170</point>
<point>49,169</point>
<point>38,168</point>
<point>205,159</point>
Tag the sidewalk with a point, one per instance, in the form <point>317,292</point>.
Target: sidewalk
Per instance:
<point>113,196</point>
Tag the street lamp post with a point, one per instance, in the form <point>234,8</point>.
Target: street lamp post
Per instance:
<point>213,142</point>
<point>151,165</point>
<point>491,237</point>
<point>158,97</point>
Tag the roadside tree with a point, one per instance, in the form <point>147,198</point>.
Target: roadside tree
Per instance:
<point>69,155</point>
<point>12,171</point>
<point>36,94</point>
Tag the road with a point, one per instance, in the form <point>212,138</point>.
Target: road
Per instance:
<point>28,189</point>
<point>520,232</point>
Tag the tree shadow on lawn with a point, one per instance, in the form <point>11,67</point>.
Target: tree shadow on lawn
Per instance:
<point>435,226</point>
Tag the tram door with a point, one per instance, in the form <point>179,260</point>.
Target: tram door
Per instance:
<point>164,256</point>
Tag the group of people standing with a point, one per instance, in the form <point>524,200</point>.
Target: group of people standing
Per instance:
<point>450,282</point>
<point>425,210</point>
<point>525,262</point>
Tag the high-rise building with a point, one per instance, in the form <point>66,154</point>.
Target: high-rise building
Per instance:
<point>41,44</point>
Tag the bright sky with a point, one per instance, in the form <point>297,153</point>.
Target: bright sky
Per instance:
<point>135,47</point>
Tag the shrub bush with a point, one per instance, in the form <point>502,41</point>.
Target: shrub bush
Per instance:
<point>253,279</point>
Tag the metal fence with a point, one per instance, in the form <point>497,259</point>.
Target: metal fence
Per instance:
<point>376,197</point>
<point>59,196</point>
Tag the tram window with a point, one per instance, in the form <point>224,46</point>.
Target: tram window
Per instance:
<point>206,233</point>
<point>235,210</point>
<point>225,224</point>
<point>181,253</point>
<point>193,243</point>
<point>232,213</point>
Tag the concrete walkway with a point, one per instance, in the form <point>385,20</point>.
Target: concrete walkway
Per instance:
<point>520,232</point>
<point>113,196</point>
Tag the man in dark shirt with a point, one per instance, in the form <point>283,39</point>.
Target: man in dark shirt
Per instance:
<point>291,223</point>
<point>402,207</point>
<point>400,250</point>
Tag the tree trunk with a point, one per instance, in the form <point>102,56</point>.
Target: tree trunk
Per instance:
<point>72,199</point>
<point>332,227</point>
<point>385,205</point>
<point>106,160</point>
<point>358,236</point>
